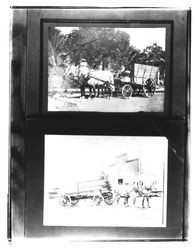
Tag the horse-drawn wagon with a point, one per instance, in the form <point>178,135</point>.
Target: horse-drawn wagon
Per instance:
<point>95,190</point>
<point>141,80</point>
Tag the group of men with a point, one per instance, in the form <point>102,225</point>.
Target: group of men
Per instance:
<point>138,189</point>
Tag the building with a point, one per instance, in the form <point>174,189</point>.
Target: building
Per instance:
<point>124,170</point>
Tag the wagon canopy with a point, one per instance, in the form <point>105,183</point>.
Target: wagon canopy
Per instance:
<point>142,72</point>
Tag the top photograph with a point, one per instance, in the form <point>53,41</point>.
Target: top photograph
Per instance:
<point>107,69</point>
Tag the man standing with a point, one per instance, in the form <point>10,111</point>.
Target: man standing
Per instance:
<point>83,75</point>
<point>127,194</point>
<point>144,191</point>
<point>83,68</point>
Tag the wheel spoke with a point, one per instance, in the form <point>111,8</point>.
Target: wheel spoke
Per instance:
<point>64,200</point>
<point>127,91</point>
<point>149,87</point>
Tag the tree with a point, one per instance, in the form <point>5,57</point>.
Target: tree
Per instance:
<point>153,55</point>
<point>96,44</point>
<point>59,44</point>
<point>108,47</point>
<point>127,57</point>
<point>56,43</point>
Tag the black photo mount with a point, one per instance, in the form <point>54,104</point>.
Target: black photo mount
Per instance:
<point>30,119</point>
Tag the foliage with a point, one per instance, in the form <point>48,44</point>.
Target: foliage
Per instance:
<point>108,47</point>
<point>127,57</point>
<point>153,55</point>
<point>96,45</point>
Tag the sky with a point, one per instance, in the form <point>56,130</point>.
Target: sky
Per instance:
<point>142,37</point>
<point>71,159</point>
<point>139,37</point>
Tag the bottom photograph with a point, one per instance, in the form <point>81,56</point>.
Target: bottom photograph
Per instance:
<point>106,181</point>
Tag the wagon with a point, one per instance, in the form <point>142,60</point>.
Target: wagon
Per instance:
<point>95,190</point>
<point>141,80</point>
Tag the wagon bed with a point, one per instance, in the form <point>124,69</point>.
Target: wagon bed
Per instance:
<point>95,189</point>
<point>141,80</point>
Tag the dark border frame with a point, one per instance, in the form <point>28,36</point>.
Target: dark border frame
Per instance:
<point>175,181</point>
<point>176,91</point>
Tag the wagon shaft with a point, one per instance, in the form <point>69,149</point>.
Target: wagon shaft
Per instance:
<point>98,79</point>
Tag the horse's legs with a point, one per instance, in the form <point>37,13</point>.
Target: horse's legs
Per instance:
<point>98,87</point>
<point>110,91</point>
<point>102,90</point>
<point>148,201</point>
<point>94,89</point>
<point>90,90</point>
<point>143,199</point>
<point>82,88</point>
<point>118,199</point>
<point>81,91</point>
<point>126,201</point>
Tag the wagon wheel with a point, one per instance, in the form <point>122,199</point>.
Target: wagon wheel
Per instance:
<point>149,87</point>
<point>74,200</point>
<point>65,200</point>
<point>108,198</point>
<point>97,199</point>
<point>127,91</point>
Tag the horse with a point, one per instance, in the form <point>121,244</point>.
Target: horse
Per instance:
<point>83,72</point>
<point>102,80</point>
<point>141,190</point>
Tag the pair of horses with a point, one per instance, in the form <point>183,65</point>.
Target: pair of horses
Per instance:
<point>103,81</point>
<point>138,190</point>
<point>144,193</point>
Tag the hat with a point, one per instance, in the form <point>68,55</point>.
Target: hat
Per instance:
<point>82,60</point>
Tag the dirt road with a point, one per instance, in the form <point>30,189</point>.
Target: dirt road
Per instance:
<point>85,213</point>
<point>64,102</point>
